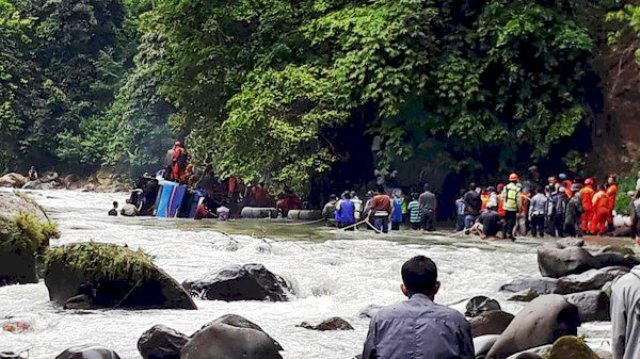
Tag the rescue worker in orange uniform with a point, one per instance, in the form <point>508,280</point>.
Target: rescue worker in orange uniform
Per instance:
<point>180,159</point>
<point>484,198</point>
<point>501,211</point>
<point>612,192</point>
<point>586,194</point>
<point>600,203</point>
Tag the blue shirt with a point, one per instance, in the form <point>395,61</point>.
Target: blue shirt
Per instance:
<point>396,216</point>
<point>418,329</point>
<point>346,213</point>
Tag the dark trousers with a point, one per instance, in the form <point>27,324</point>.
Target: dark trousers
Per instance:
<point>459,222</point>
<point>395,226</point>
<point>415,226</point>
<point>570,230</point>
<point>558,221</point>
<point>510,217</point>
<point>537,225</point>
<point>381,224</point>
<point>427,220</point>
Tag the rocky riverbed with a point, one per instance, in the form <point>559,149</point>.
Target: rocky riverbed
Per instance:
<point>331,274</point>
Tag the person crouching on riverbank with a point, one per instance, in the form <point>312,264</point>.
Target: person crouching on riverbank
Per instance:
<point>418,327</point>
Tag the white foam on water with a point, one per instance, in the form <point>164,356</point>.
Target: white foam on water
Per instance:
<point>332,278</point>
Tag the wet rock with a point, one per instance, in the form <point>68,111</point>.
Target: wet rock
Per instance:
<point>112,277</point>
<point>234,283</point>
<point>483,344</point>
<point>480,304</point>
<point>493,322</point>
<point>17,267</point>
<point>88,352</point>
<point>557,262</point>
<point>79,302</point>
<point>222,340</point>
<point>625,251</point>
<point>611,259</point>
<point>570,347</point>
<point>592,305</point>
<point>10,355</point>
<point>161,342</point>
<point>539,286</point>
<point>258,212</point>
<point>238,321</point>
<point>526,295</point>
<point>603,354</point>
<point>589,280</point>
<point>334,323</point>
<point>369,311</point>
<point>540,322</point>
<point>569,242</point>
<point>13,180</point>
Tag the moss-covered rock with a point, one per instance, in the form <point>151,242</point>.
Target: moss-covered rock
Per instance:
<point>24,231</point>
<point>570,347</point>
<point>111,276</point>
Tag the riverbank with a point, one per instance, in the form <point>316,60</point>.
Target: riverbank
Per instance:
<point>333,274</point>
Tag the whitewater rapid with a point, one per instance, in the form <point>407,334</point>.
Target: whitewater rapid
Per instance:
<point>333,275</point>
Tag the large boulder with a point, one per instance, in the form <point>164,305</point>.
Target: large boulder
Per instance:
<point>480,304</point>
<point>492,322</point>
<point>24,231</point>
<point>593,305</point>
<point>304,215</point>
<point>234,283</point>
<point>589,280</point>
<point>112,277</point>
<point>540,322</point>
<point>558,262</point>
<point>539,286</point>
<point>13,180</point>
<point>161,342</point>
<point>334,323</point>
<point>88,352</point>
<point>223,339</point>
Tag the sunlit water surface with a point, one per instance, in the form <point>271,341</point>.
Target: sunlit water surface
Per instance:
<point>334,274</point>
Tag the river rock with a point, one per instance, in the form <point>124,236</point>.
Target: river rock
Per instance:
<point>480,304</point>
<point>161,342</point>
<point>569,242</point>
<point>492,322</point>
<point>234,283</point>
<point>238,321</point>
<point>570,347</point>
<point>304,215</point>
<point>334,323</point>
<point>483,344</point>
<point>589,280</point>
<point>13,180</point>
<point>540,322</point>
<point>557,262</point>
<point>88,352</point>
<point>113,277</point>
<point>220,340</point>
<point>592,305</point>
<point>539,286</point>
<point>10,355</point>
<point>625,251</point>
<point>612,259</point>
<point>526,295</point>
<point>258,212</point>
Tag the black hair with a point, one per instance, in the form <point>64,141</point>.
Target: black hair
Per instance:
<point>419,274</point>
<point>347,195</point>
<point>472,186</point>
<point>426,187</point>
<point>115,204</point>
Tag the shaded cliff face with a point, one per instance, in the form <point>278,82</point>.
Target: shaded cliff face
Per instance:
<point>616,140</point>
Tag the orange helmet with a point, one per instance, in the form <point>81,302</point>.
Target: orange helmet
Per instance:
<point>513,177</point>
<point>588,182</point>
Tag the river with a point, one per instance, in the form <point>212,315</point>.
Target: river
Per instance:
<point>334,274</point>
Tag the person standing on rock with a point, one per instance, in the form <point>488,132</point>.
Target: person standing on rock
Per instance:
<point>612,193</point>
<point>600,205</point>
<point>586,195</point>
<point>418,327</point>
<point>573,213</point>
<point>537,213</point>
<point>512,204</point>
<point>625,318</point>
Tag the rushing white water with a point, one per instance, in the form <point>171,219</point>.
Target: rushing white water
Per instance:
<point>333,276</point>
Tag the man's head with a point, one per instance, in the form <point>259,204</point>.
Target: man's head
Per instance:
<point>472,186</point>
<point>115,204</point>
<point>420,276</point>
<point>612,179</point>
<point>425,187</point>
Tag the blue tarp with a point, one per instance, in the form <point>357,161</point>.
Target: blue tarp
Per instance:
<point>170,201</point>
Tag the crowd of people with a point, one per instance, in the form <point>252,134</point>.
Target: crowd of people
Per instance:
<point>560,207</point>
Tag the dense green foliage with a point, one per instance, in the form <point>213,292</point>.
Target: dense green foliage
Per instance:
<point>284,91</point>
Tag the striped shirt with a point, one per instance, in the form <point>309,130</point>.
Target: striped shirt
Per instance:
<point>414,212</point>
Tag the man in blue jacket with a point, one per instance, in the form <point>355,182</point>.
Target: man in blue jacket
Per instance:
<point>418,328</point>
